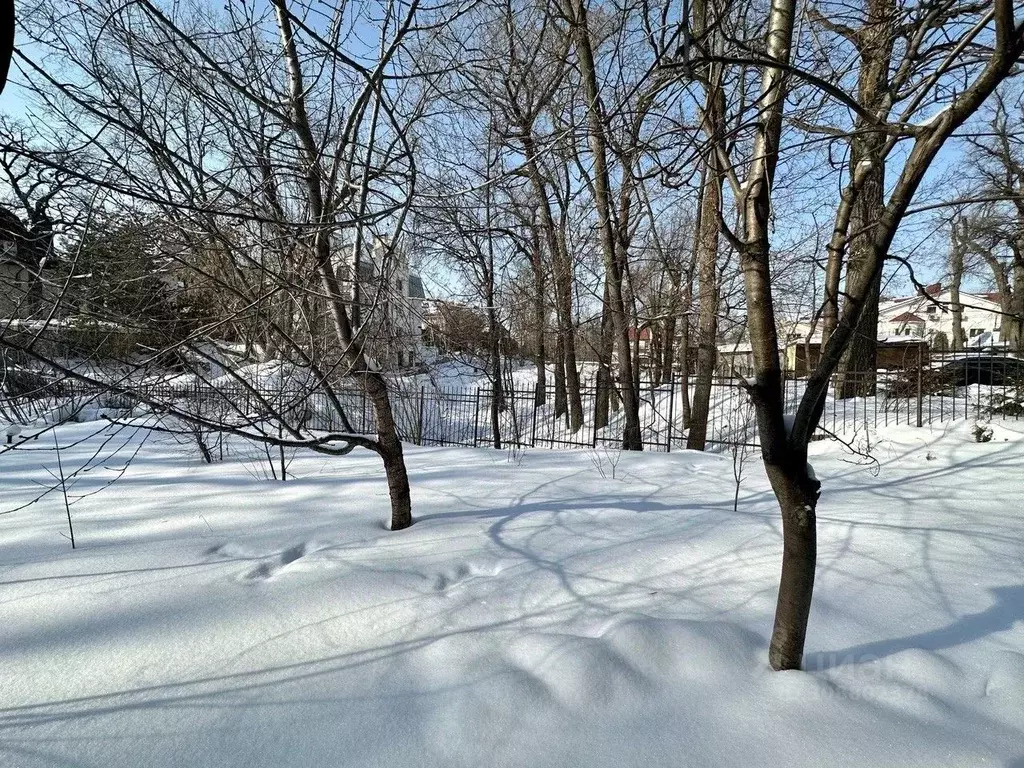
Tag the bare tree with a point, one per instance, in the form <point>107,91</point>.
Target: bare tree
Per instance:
<point>998,160</point>
<point>267,148</point>
<point>784,441</point>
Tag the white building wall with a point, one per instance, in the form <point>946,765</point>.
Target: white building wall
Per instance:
<point>981,318</point>
<point>394,317</point>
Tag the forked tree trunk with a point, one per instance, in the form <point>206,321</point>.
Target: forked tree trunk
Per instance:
<point>784,448</point>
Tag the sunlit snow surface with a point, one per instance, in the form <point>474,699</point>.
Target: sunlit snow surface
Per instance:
<point>546,609</point>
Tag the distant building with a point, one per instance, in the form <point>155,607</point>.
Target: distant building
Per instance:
<point>800,358</point>
<point>925,317</point>
<point>21,289</point>
<point>453,326</point>
<point>386,302</point>
<point>640,344</point>
<point>917,317</point>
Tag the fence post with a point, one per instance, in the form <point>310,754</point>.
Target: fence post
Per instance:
<point>533,425</point>
<point>920,393</point>
<point>671,399</point>
<point>419,418</point>
<point>476,418</point>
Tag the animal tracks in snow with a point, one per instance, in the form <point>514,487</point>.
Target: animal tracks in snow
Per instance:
<point>269,564</point>
<point>446,579</point>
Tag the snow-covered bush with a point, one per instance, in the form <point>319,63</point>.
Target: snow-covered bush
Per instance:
<point>982,433</point>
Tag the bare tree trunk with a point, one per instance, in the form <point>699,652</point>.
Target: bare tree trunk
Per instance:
<point>604,367</point>
<point>655,353</point>
<point>1002,277</point>
<point>858,367</point>
<point>567,334</point>
<point>784,445</point>
<point>667,351</point>
<point>684,352</point>
<point>785,463</point>
<point>784,455</point>
<point>497,385</point>
<point>686,408</point>
<point>389,445</point>
<point>956,272</point>
<point>666,359</point>
<point>632,439</point>
<point>707,235</point>
<point>562,272</point>
<point>1014,323</point>
<point>798,499</point>
<point>539,316</point>
<point>561,402</point>
<point>494,329</point>
<point>830,308</point>
<point>390,451</point>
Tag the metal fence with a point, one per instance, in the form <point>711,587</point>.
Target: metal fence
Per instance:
<point>943,391</point>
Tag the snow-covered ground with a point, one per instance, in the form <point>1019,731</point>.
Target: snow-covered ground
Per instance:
<point>548,608</point>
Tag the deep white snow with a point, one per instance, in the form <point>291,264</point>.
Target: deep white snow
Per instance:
<point>547,609</point>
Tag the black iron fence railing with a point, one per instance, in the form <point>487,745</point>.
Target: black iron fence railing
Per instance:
<point>976,387</point>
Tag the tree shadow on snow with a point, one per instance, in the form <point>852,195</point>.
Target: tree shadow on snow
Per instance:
<point>1007,610</point>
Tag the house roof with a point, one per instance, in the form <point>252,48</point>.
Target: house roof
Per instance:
<point>645,334</point>
<point>917,301</point>
<point>907,317</point>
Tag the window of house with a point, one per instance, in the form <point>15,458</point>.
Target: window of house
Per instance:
<point>977,332</point>
<point>932,309</point>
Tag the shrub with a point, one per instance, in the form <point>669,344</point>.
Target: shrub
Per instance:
<point>982,433</point>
